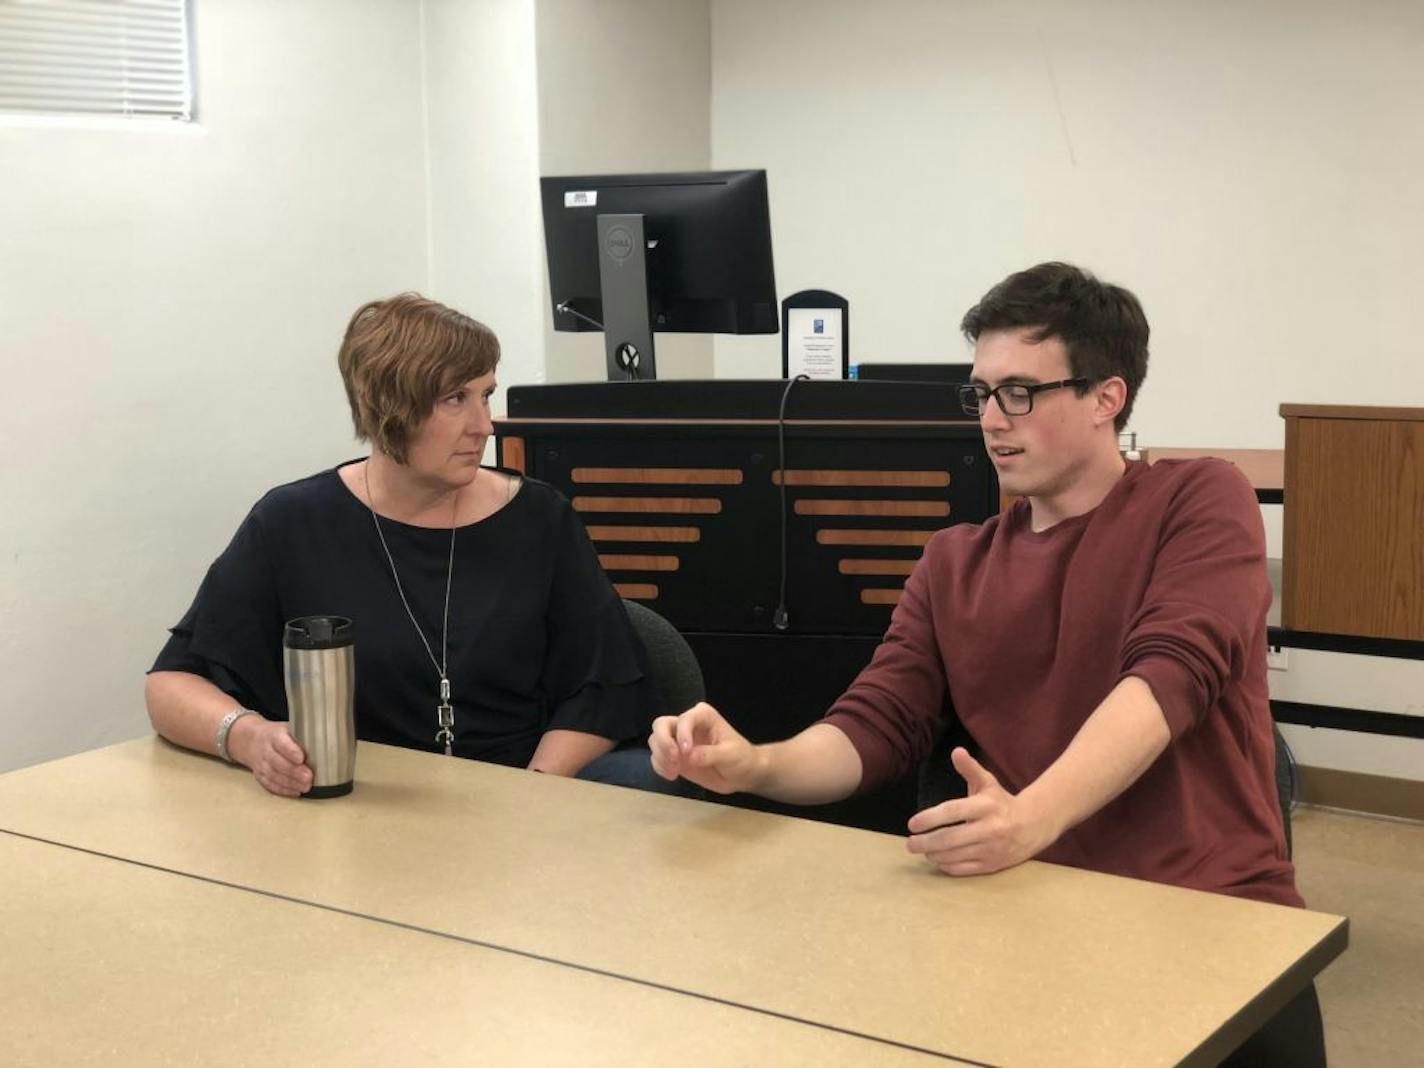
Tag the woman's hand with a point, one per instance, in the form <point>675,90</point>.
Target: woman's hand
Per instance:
<point>275,757</point>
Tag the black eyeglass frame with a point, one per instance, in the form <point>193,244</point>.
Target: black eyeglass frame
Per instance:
<point>974,399</point>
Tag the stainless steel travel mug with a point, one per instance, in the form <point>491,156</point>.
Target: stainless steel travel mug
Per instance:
<point>319,664</point>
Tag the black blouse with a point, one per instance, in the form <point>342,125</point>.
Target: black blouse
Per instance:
<point>538,637</point>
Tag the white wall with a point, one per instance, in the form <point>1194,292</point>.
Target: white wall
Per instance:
<point>1251,171</point>
<point>486,243</point>
<point>171,302</point>
<point>1375,683</point>
<point>624,86</point>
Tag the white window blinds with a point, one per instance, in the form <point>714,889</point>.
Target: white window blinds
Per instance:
<point>95,57</point>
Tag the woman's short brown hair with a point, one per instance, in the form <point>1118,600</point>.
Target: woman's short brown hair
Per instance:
<point>400,356</point>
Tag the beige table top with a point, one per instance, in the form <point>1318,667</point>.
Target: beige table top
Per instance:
<point>839,927</point>
<point>109,962</point>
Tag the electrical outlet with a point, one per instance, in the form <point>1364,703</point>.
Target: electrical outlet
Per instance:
<point>1278,659</point>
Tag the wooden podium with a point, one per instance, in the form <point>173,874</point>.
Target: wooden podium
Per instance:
<point>1354,521</point>
<point>688,489</point>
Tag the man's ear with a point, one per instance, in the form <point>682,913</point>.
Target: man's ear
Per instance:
<point>1111,396</point>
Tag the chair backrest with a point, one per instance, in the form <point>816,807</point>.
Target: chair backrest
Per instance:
<point>671,661</point>
<point>1285,784</point>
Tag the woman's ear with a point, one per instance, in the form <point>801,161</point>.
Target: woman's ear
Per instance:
<point>1111,397</point>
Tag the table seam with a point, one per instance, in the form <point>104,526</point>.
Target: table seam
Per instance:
<point>510,950</point>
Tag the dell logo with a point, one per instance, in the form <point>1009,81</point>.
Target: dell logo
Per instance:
<point>618,243</point>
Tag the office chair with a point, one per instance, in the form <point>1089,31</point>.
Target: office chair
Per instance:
<point>1285,783</point>
<point>936,781</point>
<point>672,664</point>
<point>677,681</point>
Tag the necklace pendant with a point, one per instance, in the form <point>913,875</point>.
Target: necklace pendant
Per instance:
<point>445,713</point>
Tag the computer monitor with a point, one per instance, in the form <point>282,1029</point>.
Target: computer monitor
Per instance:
<point>630,254</point>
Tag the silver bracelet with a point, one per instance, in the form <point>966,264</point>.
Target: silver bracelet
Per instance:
<point>225,728</point>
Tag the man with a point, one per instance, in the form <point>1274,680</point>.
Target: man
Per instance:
<point>1102,640</point>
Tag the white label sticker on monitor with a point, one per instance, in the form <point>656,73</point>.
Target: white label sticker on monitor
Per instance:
<point>581,198</point>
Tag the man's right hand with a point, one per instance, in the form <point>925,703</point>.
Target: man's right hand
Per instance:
<point>275,757</point>
<point>702,747</point>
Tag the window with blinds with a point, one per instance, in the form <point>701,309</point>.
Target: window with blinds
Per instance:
<point>125,58</point>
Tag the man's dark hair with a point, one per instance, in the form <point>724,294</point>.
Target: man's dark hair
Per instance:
<point>1102,325</point>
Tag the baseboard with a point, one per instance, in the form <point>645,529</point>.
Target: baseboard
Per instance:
<point>1378,795</point>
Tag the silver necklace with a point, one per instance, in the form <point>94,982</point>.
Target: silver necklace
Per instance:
<point>444,711</point>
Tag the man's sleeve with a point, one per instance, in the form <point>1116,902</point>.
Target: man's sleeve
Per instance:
<point>891,710</point>
<point>1205,606</point>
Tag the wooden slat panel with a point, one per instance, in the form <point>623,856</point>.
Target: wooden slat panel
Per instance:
<point>684,476</point>
<point>511,454</point>
<point>662,534</point>
<point>636,591</point>
<point>862,478</point>
<point>674,505</point>
<point>876,567</point>
<point>852,507</point>
<point>877,596</point>
<point>874,537</point>
<point>624,562</point>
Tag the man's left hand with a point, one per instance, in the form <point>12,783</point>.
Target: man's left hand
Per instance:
<point>988,831</point>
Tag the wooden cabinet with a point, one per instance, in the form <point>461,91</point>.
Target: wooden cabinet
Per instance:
<point>1354,521</point>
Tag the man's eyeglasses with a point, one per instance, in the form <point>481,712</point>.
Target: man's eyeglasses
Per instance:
<point>1015,398</point>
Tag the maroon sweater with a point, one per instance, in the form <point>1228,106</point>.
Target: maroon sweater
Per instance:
<point>1027,632</point>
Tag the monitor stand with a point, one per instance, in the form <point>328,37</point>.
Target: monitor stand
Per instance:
<point>623,279</point>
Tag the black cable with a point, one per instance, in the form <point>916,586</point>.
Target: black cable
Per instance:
<point>780,620</point>
<point>631,366</point>
<point>564,307</point>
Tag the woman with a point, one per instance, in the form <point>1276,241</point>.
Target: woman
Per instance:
<point>455,575</point>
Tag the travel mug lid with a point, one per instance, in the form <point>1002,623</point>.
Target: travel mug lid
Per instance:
<point>319,632</point>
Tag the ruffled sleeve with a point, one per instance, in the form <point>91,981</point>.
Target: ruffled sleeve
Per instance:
<point>595,672</point>
<point>232,633</point>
